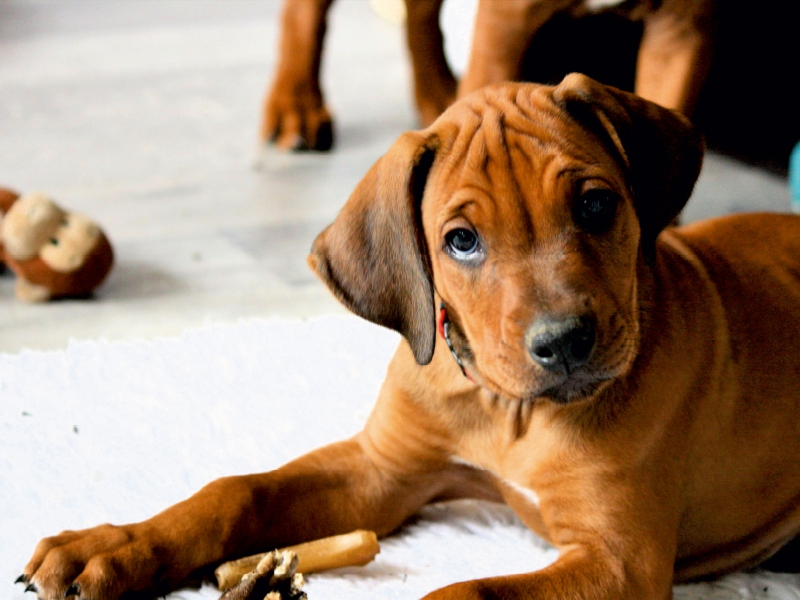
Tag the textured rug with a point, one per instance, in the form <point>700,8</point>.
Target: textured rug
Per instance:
<point>114,432</point>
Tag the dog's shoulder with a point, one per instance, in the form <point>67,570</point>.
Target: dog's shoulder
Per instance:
<point>762,242</point>
<point>751,263</point>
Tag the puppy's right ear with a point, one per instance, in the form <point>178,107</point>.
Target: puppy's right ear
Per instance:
<point>374,257</point>
<point>659,148</point>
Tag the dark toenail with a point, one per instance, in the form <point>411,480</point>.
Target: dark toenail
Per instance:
<point>22,579</point>
<point>31,588</point>
<point>73,590</point>
<point>324,137</point>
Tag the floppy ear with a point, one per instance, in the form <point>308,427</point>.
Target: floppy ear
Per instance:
<point>374,257</point>
<point>660,149</point>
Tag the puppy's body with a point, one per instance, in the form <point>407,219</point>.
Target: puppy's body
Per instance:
<point>702,433</point>
<point>742,404</point>
<point>632,396</point>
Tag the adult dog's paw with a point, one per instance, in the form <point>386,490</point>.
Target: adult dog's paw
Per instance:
<point>295,117</point>
<point>100,563</point>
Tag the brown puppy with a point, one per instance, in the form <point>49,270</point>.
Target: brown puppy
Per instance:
<point>633,396</point>
<point>673,61</point>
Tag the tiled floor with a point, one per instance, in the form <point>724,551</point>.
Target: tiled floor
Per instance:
<point>143,114</point>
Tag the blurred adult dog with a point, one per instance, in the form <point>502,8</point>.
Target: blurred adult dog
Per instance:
<point>632,394</point>
<point>673,60</point>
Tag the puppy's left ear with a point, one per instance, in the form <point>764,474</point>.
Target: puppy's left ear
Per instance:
<point>660,149</point>
<point>374,258</point>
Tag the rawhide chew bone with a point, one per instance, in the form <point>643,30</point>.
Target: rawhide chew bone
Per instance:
<point>274,578</point>
<point>351,549</point>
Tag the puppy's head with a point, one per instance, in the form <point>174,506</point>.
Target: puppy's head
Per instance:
<point>527,210</point>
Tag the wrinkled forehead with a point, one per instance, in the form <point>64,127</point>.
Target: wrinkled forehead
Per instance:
<point>516,137</point>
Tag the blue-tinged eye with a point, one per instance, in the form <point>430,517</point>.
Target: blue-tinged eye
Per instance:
<point>462,243</point>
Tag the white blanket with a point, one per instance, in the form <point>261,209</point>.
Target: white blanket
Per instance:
<point>114,432</point>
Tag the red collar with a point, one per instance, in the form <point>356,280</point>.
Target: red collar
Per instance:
<point>443,326</point>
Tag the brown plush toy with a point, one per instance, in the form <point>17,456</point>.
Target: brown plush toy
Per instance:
<point>53,253</point>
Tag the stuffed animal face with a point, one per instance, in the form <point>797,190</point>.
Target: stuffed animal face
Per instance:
<point>54,253</point>
<point>70,243</point>
<point>29,224</point>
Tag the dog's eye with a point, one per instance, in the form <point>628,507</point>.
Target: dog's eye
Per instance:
<point>595,209</point>
<point>462,243</point>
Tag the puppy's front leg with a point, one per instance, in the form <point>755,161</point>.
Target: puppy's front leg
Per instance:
<point>580,573</point>
<point>373,481</point>
<point>614,526</point>
<point>576,576</point>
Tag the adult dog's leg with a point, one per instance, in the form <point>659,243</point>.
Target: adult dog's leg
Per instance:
<point>503,31</point>
<point>675,54</point>
<point>373,481</point>
<point>434,84</point>
<point>294,110</point>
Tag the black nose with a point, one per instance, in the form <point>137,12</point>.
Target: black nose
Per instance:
<point>561,344</point>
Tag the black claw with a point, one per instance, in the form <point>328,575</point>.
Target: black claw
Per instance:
<point>30,588</point>
<point>72,590</point>
<point>324,137</point>
<point>22,579</point>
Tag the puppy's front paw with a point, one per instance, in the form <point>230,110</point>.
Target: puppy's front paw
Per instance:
<point>99,563</point>
<point>295,118</point>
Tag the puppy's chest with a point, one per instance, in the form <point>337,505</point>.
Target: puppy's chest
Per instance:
<point>518,466</point>
<point>518,491</point>
<point>534,456</point>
